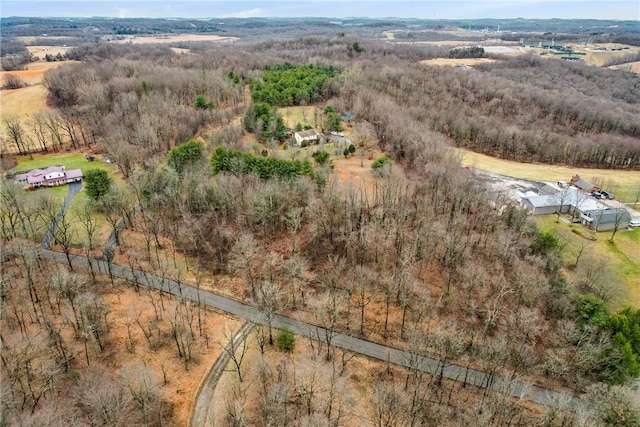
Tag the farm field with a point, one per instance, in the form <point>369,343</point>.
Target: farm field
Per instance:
<point>29,100</point>
<point>23,102</point>
<point>618,262</point>
<point>41,51</point>
<point>175,38</point>
<point>470,62</point>
<point>624,184</point>
<point>632,67</point>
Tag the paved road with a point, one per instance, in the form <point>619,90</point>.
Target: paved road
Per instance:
<point>201,413</point>
<point>74,188</point>
<point>474,377</point>
<point>110,245</point>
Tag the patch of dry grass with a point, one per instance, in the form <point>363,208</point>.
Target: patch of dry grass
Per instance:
<point>23,102</point>
<point>175,38</point>
<point>632,67</point>
<point>452,62</point>
<point>41,51</point>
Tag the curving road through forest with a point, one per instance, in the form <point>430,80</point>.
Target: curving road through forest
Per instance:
<point>515,388</point>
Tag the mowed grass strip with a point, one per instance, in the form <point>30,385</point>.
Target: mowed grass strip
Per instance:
<point>622,256</point>
<point>624,184</point>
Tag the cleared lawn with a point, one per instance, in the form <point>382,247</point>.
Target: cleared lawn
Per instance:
<point>624,184</point>
<point>308,115</point>
<point>622,257</point>
<point>68,160</point>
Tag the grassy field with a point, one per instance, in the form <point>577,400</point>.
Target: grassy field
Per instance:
<point>174,38</point>
<point>624,184</point>
<point>308,115</point>
<point>41,51</point>
<point>632,67</point>
<point>68,160</point>
<point>29,100</point>
<point>622,257</point>
<point>455,62</point>
<point>23,102</point>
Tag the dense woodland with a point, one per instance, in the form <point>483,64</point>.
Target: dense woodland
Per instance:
<point>422,261</point>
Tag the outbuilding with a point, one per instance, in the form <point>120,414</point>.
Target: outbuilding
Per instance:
<point>606,219</point>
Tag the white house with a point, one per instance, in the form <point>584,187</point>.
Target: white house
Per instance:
<point>306,135</point>
<point>49,177</point>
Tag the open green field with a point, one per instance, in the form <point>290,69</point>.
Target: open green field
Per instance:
<point>622,257</point>
<point>68,160</point>
<point>624,184</point>
<point>308,115</point>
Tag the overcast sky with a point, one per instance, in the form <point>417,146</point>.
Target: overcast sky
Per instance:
<point>428,9</point>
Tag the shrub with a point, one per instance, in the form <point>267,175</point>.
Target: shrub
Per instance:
<point>380,163</point>
<point>11,81</point>
<point>592,310</point>
<point>286,340</point>
<point>320,157</point>
<point>184,155</point>
<point>203,104</point>
<point>544,242</point>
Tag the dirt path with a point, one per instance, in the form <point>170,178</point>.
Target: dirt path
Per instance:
<point>512,387</point>
<point>201,413</point>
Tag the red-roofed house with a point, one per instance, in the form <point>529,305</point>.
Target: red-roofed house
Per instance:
<point>49,177</point>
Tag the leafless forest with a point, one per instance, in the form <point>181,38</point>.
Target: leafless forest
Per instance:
<point>423,259</point>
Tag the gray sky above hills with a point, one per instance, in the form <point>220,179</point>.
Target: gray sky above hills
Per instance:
<point>427,9</point>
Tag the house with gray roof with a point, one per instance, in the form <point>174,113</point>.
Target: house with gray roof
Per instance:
<point>582,184</point>
<point>606,219</point>
<point>545,204</point>
<point>569,200</point>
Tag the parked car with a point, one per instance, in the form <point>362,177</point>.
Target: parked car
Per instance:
<point>607,195</point>
<point>634,223</point>
<point>597,195</point>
